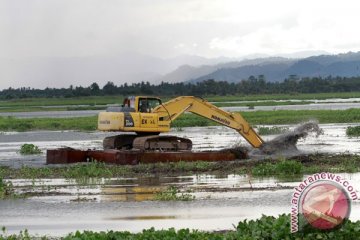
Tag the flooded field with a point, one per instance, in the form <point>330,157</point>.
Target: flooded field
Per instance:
<point>60,206</point>
<point>333,140</point>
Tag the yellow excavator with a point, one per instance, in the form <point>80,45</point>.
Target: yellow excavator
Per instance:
<point>147,117</point>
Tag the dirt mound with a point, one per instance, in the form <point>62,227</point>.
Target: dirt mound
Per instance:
<point>285,144</point>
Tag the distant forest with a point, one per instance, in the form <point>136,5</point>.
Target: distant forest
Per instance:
<point>253,85</point>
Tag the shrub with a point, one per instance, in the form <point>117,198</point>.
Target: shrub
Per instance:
<point>288,167</point>
<point>271,130</point>
<point>6,189</point>
<point>28,149</point>
<point>172,193</point>
<point>353,131</point>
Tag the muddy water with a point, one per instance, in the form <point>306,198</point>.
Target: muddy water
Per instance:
<point>333,140</point>
<point>63,206</point>
<point>285,144</point>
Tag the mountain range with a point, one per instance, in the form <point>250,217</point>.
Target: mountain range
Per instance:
<point>273,68</point>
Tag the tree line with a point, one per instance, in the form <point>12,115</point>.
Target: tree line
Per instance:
<point>253,85</point>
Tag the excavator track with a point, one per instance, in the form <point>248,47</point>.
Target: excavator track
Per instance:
<point>162,143</point>
<point>150,143</point>
<point>124,141</point>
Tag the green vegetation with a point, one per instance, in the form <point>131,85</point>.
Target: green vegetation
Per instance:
<point>23,235</point>
<point>6,189</point>
<point>289,167</point>
<point>281,168</point>
<point>95,169</point>
<point>353,131</point>
<point>283,96</point>
<point>294,117</point>
<point>28,124</point>
<point>83,172</point>
<point>28,149</point>
<point>266,227</point>
<point>172,193</point>
<point>61,101</point>
<point>272,130</point>
<point>99,102</point>
<point>258,103</point>
<point>52,108</point>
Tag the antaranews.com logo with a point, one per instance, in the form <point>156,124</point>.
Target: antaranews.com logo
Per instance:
<point>322,200</point>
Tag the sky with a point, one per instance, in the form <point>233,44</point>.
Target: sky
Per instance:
<point>168,28</point>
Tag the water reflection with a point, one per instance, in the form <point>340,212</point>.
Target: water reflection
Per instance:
<point>202,186</point>
<point>144,188</point>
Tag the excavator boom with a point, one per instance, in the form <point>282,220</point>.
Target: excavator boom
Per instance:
<point>172,109</point>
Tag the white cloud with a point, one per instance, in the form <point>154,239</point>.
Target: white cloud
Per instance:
<point>218,27</point>
<point>317,26</point>
<point>40,29</point>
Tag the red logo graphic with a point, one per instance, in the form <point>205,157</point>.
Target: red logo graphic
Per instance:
<point>325,205</point>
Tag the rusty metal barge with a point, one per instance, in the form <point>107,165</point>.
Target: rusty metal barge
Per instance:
<point>133,157</point>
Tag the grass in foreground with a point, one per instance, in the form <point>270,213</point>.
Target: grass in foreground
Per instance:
<point>267,227</point>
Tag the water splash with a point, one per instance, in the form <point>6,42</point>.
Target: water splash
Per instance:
<point>285,144</point>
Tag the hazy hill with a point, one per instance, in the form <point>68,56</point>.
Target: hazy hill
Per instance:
<point>270,70</point>
<point>187,72</point>
<point>344,65</point>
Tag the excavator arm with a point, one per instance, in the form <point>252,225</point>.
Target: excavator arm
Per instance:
<point>172,109</point>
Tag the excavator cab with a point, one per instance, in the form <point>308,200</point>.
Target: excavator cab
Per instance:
<point>136,104</point>
<point>147,104</point>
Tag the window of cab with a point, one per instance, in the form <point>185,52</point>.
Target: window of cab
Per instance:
<point>147,105</point>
